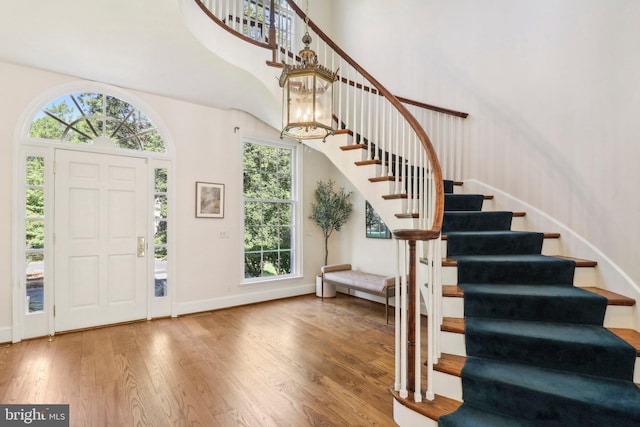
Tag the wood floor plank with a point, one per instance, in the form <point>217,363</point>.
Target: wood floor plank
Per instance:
<point>294,362</point>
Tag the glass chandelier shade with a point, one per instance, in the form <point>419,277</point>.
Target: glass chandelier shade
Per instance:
<point>307,107</point>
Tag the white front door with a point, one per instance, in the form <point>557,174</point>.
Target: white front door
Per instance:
<point>101,209</point>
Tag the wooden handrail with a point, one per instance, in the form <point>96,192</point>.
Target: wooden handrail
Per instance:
<point>422,135</point>
<point>230,30</point>
<point>433,107</point>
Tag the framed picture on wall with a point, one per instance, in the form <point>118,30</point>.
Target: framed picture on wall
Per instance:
<point>209,200</point>
<point>375,227</point>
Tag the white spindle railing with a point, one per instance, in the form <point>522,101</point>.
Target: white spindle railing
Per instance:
<point>446,128</point>
<point>376,118</point>
<point>447,133</point>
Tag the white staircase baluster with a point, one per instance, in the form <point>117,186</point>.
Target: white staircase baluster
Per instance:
<point>398,309</point>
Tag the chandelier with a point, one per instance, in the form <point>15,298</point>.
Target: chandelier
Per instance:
<point>307,98</point>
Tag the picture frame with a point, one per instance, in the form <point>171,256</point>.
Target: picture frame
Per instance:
<point>209,200</point>
<point>375,228</point>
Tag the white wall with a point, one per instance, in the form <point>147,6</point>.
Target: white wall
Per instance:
<point>551,88</point>
<point>353,247</point>
<point>208,268</point>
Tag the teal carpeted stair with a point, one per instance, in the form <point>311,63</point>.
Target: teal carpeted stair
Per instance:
<point>476,221</point>
<point>537,353</point>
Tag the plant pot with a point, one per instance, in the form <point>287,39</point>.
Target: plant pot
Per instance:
<point>329,290</point>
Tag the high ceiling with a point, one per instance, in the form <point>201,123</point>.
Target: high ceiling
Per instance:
<point>137,44</point>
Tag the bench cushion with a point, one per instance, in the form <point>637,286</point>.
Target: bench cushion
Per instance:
<point>359,279</point>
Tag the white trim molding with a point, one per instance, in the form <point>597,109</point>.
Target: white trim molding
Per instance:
<point>191,307</point>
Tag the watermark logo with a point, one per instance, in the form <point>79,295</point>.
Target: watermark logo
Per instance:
<point>34,415</point>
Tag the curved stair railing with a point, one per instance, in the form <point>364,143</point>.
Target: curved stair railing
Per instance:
<point>391,138</point>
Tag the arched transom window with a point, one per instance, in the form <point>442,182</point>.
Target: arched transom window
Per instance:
<point>97,118</point>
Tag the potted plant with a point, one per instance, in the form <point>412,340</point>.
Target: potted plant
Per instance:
<point>330,210</point>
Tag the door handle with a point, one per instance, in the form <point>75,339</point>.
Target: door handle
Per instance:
<point>142,246</point>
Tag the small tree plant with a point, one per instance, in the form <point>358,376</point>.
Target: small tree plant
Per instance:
<point>330,211</point>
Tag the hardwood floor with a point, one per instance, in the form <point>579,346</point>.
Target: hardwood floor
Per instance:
<point>294,362</point>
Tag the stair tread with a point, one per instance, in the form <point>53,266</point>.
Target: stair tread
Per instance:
<point>482,233</point>
<point>450,262</point>
<point>612,297</point>
<point>579,261</point>
<point>384,178</point>
<point>353,147</point>
<point>482,418</point>
<point>484,196</point>
<point>450,364</point>
<point>453,324</point>
<point>455,291</point>
<point>587,389</point>
<point>407,215</point>
<point>631,336</point>
<point>535,290</point>
<point>592,335</point>
<point>395,196</point>
<point>368,162</point>
<point>463,202</point>
<point>434,409</point>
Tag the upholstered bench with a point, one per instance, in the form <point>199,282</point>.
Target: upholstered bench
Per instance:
<point>375,284</point>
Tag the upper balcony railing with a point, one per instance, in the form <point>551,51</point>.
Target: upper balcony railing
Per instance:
<point>392,130</point>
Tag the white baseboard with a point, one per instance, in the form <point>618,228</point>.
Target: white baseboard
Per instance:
<point>182,308</point>
<point>6,334</point>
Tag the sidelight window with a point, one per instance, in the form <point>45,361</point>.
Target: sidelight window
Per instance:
<point>34,227</point>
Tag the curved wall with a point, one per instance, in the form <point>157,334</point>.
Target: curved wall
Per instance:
<point>551,88</point>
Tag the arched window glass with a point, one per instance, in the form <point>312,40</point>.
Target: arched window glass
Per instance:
<point>97,118</point>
